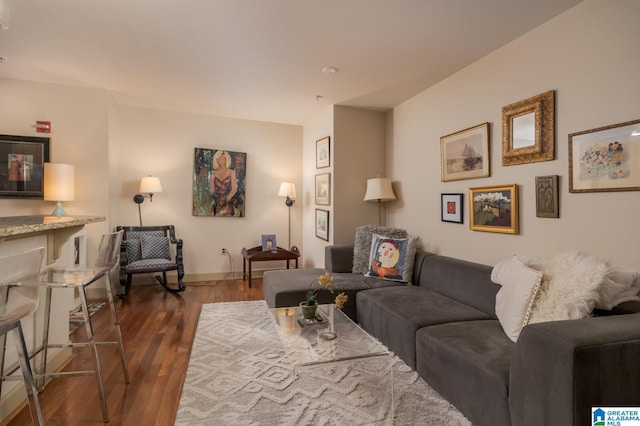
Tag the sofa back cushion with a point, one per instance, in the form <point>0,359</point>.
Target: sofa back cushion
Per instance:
<point>467,282</point>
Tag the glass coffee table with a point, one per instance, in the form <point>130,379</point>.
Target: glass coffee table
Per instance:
<point>332,337</point>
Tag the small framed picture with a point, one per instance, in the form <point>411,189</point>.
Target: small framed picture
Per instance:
<point>451,208</point>
<point>323,189</point>
<point>322,224</point>
<point>22,161</point>
<point>494,209</point>
<point>465,154</point>
<point>323,153</point>
<point>269,243</point>
<point>547,196</point>
<point>605,159</point>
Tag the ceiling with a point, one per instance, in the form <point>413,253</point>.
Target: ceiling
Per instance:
<point>259,59</point>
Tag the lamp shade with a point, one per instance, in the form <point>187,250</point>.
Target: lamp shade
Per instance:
<point>379,189</point>
<point>59,182</point>
<point>150,185</point>
<point>287,189</point>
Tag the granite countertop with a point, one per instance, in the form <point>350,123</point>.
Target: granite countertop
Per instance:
<point>17,225</point>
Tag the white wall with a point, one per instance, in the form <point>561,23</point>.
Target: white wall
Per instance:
<point>79,136</point>
<point>589,55</point>
<point>359,147</point>
<point>161,143</point>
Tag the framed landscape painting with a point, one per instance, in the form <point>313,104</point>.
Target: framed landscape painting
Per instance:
<point>323,153</point>
<point>322,224</point>
<point>323,189</point>
<point>605,159</point>
<point>465,154</point>
<point>494,209</point>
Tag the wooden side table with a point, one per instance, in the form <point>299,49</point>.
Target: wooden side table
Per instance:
<point>256,254</point>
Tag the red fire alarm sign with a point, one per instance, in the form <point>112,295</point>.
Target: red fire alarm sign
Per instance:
<point>43,126</point>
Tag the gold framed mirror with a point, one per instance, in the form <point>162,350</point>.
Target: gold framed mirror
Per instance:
<point>528,130</point>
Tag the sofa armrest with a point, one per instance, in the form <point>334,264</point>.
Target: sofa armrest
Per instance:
<point>338,258</point>
<point>560,369</point>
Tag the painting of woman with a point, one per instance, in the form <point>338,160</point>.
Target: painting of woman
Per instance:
<point>218,185</point>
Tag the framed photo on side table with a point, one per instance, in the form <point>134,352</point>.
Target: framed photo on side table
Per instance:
<point>465,154</point>
<point>494,209</point>
<point>269,243</point>
<point>605,159</point>
<point>22,161</point>
<point>322,224</point>
<point>323,153</point>
<point>451,208</point>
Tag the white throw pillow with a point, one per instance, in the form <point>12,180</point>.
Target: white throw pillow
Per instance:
<point>570,288</point>
<point>619,286</point>
<point>514,301</point>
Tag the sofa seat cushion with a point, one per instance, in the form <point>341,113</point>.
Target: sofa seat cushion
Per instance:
<point>394,314</point>
<point>288,287</point>
<point>460,359</point>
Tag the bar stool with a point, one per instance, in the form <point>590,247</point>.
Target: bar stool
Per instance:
<point>108,258</point>
<point>19,280</point>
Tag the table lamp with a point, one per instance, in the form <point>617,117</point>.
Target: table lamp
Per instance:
<point>59,185</point>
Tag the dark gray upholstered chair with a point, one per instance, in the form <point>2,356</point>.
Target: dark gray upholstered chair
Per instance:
<point>147,250</point>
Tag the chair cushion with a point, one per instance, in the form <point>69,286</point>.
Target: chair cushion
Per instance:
<point>154,247</point>
<point>134,249</point>
<point>151,265</point>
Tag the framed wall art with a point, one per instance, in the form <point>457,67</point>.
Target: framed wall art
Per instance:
<point>465,154</point>
<point>323,189</point>
<point>22,161</point>
<point>528,130</point>
<point>323,153</point>
<point>322,224</point>
<point>494,209</point>
<point>605,159</point>
<point>219,182</point>
<point>451,208</point>
<point>547,196</point>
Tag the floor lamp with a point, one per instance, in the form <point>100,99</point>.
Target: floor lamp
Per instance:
<point>288,190</point>
<point>148,185</point>
<point>379,190</point>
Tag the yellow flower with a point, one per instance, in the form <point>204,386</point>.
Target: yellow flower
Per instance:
<point>341,299</point>
<point>325,280</point>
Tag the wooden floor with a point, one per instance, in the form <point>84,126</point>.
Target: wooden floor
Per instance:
<point>158,329</point>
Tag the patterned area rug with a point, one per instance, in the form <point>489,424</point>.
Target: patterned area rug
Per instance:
<point>238,374</point>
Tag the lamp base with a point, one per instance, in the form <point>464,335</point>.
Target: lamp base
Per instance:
<point>59,211</point>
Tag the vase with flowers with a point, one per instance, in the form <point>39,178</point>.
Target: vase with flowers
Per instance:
<point>310,304</point>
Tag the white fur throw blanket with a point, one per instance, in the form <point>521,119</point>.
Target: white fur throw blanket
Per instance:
<point>570,286</point>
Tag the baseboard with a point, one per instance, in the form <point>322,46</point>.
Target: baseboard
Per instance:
<point>15,399</point>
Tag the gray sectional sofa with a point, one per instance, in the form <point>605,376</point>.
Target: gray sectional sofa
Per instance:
<point>445,327</point>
